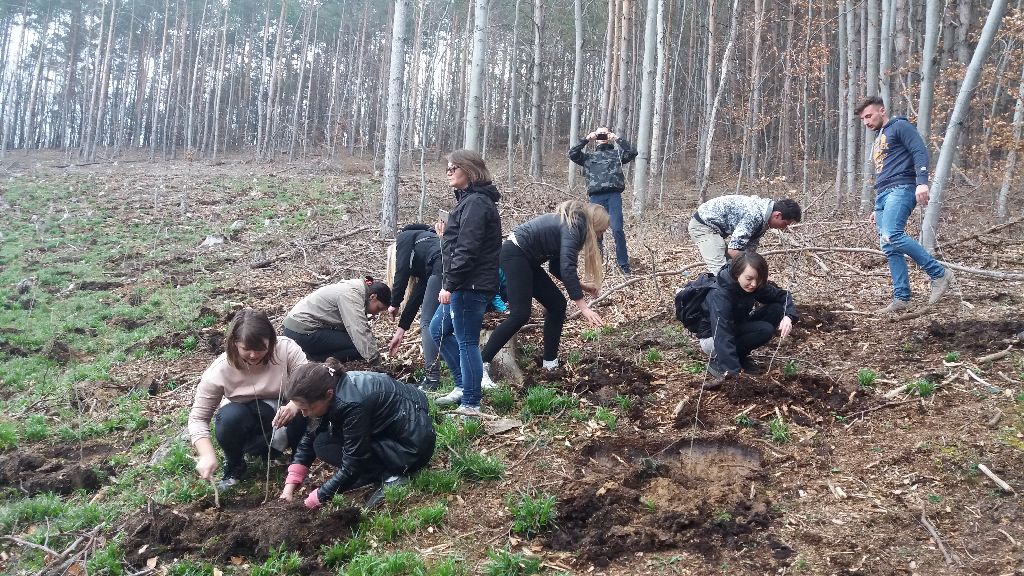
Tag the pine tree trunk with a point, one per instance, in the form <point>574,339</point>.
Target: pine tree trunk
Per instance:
<point>393,146</point>
<point>943,167</point>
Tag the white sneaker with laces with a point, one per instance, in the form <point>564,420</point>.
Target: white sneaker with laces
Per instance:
<point>453,397</point>
<point>551,364</point>
<point>486,383</point>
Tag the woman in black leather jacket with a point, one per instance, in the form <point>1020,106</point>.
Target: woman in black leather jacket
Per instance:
<point>367,424</point>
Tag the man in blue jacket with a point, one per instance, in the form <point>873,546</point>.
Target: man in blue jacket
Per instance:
<point>606,181</point>
<point>901,182</point>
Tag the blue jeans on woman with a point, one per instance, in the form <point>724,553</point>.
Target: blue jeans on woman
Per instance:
<point>431,355</point>
<point>612,203</point>
<point>892,210</point>
<point>456,329</point>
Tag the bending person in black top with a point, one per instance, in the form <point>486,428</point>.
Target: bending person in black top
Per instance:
<point>732,328</point>
<point>556,238</point>
<point>414,263</point>
<point>368,425</point>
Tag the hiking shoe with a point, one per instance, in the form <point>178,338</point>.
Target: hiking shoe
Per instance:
<point>428,384</point>
<point>486,383</point>
<point>714,370</point>
<point>751,367</point>
<point>233,473</point>
<point>468,411</point>
<point>378,495</point>
<point>453,397</point>
<point>894,307</point>
<point>940,286</point>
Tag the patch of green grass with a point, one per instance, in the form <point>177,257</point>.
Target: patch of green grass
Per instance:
<point>278,563</point>
<point>607,329</point>
<point>778,430</point>
<point>921,387</point>
<point>507,563</point>
<point>206,321</point>
<point>695,367</point>
<point>190,343</point>
<point>190,568</point>
<point>396,494</point>
<point>177,462</point>
<point>866,378</point>
<point>388,527</point>
<point>653,356</point>
<point>722,516</point>
<point>934,498</point>
<point>182,490</point>
<point>790,368</point>
<point>624,402</point>
<point>432,515</point>
<point>606,417</point>
<point>501,399</point>
<point>8,436</point>
<point>106,560</point>
<point>20,513</point>
<point>574,358</point>
<point>341,552</point>
<point>744,420</point>
<point>953,356</point>
<point>477,466</point>
<point>545,400</point>
<point>433,481</point>
<point>589,335</point>
<point>1019,399</point>
<point>400,563</point>
<point>532,512</point>
<point>455,433</point>
<point>35,428</point>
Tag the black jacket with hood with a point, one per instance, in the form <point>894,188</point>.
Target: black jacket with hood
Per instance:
<point>369,406</point>
<point>472,240</point>
<point>417,254</point>
<point>727,304</point>
<point>547,239</point>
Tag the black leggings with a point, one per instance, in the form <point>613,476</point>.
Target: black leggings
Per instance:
<point>526,281</point>
<point>246,427</point>
<point>325,342</point>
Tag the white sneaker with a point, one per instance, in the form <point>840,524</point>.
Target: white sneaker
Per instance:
<point>453,397</point>
<point>551,364</point>
<point>468,411</point>
<point>486,383</point>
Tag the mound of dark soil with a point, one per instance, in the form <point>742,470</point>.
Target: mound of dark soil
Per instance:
<point>975,336</point>
<point>62,469</point>
<point>245,528</point>
<point>646,495</point>
<point>600,380</point>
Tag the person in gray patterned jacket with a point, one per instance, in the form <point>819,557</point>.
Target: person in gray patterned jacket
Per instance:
<point>741,219</point>
<point>606,181</point>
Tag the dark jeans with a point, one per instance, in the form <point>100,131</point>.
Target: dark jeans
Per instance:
<point>391,456</point>
<point>526,281</point>
<point>456,329</point>
<point>612,202</point>
<point>431,353</point>
<point>758,329</point>
<point>246,428</point>
<point>323,343</point>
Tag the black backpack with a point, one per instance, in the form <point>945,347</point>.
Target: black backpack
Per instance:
<point>690,301</point>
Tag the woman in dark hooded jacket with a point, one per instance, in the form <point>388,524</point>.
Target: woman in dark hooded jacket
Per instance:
<point>732,327</point>
<point>371,427</point>
<point>414,265</point>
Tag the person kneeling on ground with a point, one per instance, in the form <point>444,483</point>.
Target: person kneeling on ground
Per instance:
<point>332,321</point>
<point>741,219</point>
<point>557,238</point>
<point>243,387</point>
<point>731,328</point>
<point>371,427</point>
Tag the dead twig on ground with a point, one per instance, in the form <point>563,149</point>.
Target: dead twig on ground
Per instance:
<point>999,481</point>
<point>996,356</point>
<point>949,556</point>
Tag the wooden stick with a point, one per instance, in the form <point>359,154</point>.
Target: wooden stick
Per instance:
<point>32,545</point>
<point>216,493</point>
<point>935,537</point>
<point>978,378</point>
<point>996,356</point>
<point>999,481</point>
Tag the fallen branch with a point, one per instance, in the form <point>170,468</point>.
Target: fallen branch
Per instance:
<point>999,481</point>
<point>938,541</point>
<point>967,269</point>
<point>861,413</point>
<point>268,261</point>
<point>21,542</point>
<point>996,356</point>
<point>637,279</point>
<point>978,378</point>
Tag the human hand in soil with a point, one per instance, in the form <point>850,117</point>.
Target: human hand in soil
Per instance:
<point>288,493</point>
<point>392,312</point>
<point>871,218</point>
<point>284,415</point>
<point>206,466</point>
<point>444,297</point>
<point>396,341</point>
<point>313,500</point>
<point>785,326</point>
<point>593,317</point>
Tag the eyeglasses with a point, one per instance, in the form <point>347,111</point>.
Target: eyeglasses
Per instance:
<point>452,168</point>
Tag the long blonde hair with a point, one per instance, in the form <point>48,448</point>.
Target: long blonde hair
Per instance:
<point>596,218</point>
<point>392,268</point>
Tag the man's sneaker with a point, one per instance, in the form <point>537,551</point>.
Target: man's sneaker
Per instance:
<point>233,473</point>
<point>468,411</point>
<point>550,364</point>
<point>894,307</point>
<point>940,286</point>
<point>486,383</point>
<point>714,370</point>
<point>428,384</point>
<point>453,397</point>
<point>751,367</point>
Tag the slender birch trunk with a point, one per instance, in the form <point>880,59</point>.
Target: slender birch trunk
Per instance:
<point>709,141</point>
<point>474,102</point>
<point>577,79</point>
<point>643,159</point>
<point>393,147</point>
<point>536,157</point>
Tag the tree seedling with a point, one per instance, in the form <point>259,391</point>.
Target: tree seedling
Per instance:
<point>952,357</point>
<point>653,356</point>
<point>790,368</point>
<point>921,387</point>
<point>866,378</point>
<point>779,430</point>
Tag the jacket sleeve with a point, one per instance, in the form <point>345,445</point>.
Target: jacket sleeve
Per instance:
<point>304,452</point>
<point>403,268</point>
<point>352,307</point>
<point>577,154</point>
<point>569,253</point>
<point>413,305</point>
<point>472,229</point>
<point>915,145</point>
<point>207,399</point>
<point>626,151</point>
<point>747,233</point>
<point>355,451</point>
<point>772,294</point>
<point>293,356</point>
<point>723,330</point>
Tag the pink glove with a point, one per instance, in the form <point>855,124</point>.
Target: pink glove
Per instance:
<point>296,474</point>
<point>312,501</point>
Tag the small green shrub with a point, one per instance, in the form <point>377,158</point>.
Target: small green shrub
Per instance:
<point>722,516</point>
<point>952,357</point>
<point>606,417</point>
<point>35,428</point>
<point>574,358</point>
<point>507,563</point>
<point>866,377</point>
<point>532,512</point>
<point>432,515</point>
<point>653,356</point>
<point>476,466</point>
<point>544,400</point>
<point>190,343</point>
<point>396,494</point>
<point>206,320</point>
<point>8,435</point>
<point>921,387</point>
<point>744,420</point>
<point>695,367</point>
<point>589,335</point>
<point>624,402</point>
<point>434,481</point>
<point>341,552</point>
<point>779,430</point>
<point>790,368</point>
<point>106,560</point>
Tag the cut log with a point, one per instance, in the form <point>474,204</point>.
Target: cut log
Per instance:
<point>504,365</point>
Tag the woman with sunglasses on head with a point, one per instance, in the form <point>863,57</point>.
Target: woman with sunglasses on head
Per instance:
<point>332,320</point>
<point>470,244</point>
<point>414,266</point>
<point>368,425</point>
<point>557,238</point>
<point>732,327</point>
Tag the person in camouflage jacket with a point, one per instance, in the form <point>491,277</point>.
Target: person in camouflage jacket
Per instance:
<point>606,181</point>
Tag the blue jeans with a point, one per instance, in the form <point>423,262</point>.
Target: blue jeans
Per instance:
<point>612,202</point>
<point>892,209</point>
<point>462,319</point>
<point>431,356</point>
